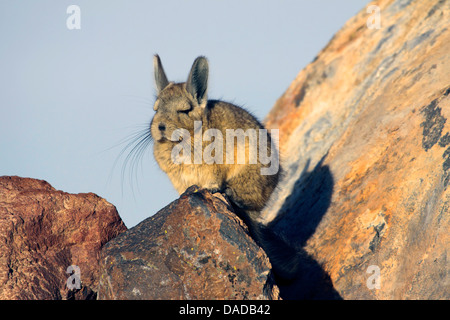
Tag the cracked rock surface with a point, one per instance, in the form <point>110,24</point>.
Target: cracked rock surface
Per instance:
<point>195,248</point>
<point>365,143</point>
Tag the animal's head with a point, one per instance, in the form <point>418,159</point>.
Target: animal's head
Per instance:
<point>178,105</point>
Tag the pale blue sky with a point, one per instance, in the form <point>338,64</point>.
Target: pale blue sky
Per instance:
<point>69,97</point>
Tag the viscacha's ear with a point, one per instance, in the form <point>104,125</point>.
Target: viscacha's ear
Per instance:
<point>160,76</point>
<point>197,82</point>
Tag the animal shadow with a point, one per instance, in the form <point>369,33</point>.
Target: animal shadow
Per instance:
<point>296,222</point>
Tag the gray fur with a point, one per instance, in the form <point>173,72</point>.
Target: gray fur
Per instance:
<point>177,106</point>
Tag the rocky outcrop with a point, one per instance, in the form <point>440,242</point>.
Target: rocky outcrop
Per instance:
<point>195,248</point>
<point>365,144</point>
<point>364,200</point>
<point>43,232</point>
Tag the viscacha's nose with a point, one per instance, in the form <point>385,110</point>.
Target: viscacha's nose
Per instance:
<point>161,127</point>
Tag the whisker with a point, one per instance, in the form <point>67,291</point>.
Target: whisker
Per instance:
<point>134,156</point>
<point>135,145</point>
<point>139,99</point>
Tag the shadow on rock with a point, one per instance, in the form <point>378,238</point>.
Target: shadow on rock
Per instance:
<point>296,222</point>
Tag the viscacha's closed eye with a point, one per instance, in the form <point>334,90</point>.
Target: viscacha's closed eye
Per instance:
<point>185,109</point>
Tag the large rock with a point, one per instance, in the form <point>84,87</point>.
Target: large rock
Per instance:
<point>195,248</point>
<point>365,144</point>
<point>44,231</point>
